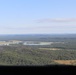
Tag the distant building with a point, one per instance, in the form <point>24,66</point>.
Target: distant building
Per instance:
<point>2,43</point>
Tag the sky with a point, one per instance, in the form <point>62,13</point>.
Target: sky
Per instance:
<point>37,16</point>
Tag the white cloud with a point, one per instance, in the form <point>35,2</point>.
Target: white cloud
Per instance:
<point>57,20</point>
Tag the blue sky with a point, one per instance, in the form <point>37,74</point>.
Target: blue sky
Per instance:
<point>37,16</point>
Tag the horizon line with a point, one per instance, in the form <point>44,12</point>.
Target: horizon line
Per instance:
<point>41,34</point>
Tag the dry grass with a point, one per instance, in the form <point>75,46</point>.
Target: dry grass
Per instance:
<point>66,62</point>
<point>49,48</point>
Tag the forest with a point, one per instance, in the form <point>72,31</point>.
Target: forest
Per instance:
<point>35,55</point>
<point>25,55</point>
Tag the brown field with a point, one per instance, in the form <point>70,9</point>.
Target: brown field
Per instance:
<point>66,62</point>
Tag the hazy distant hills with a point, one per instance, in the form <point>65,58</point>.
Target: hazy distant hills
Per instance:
<point>37,37</point>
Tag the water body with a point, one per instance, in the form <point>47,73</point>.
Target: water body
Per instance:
<point>36,44</point>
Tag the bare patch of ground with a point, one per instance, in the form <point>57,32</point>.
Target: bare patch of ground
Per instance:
<point>49,48</point>
<point>66,62</point>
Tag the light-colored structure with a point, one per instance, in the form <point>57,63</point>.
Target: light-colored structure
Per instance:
<point>2,43</point>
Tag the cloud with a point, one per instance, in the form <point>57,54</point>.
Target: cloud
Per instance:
<point>21,28</point>
<point>57,20</point>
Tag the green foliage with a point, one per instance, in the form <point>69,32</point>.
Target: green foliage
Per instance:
<point>24,55</point>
